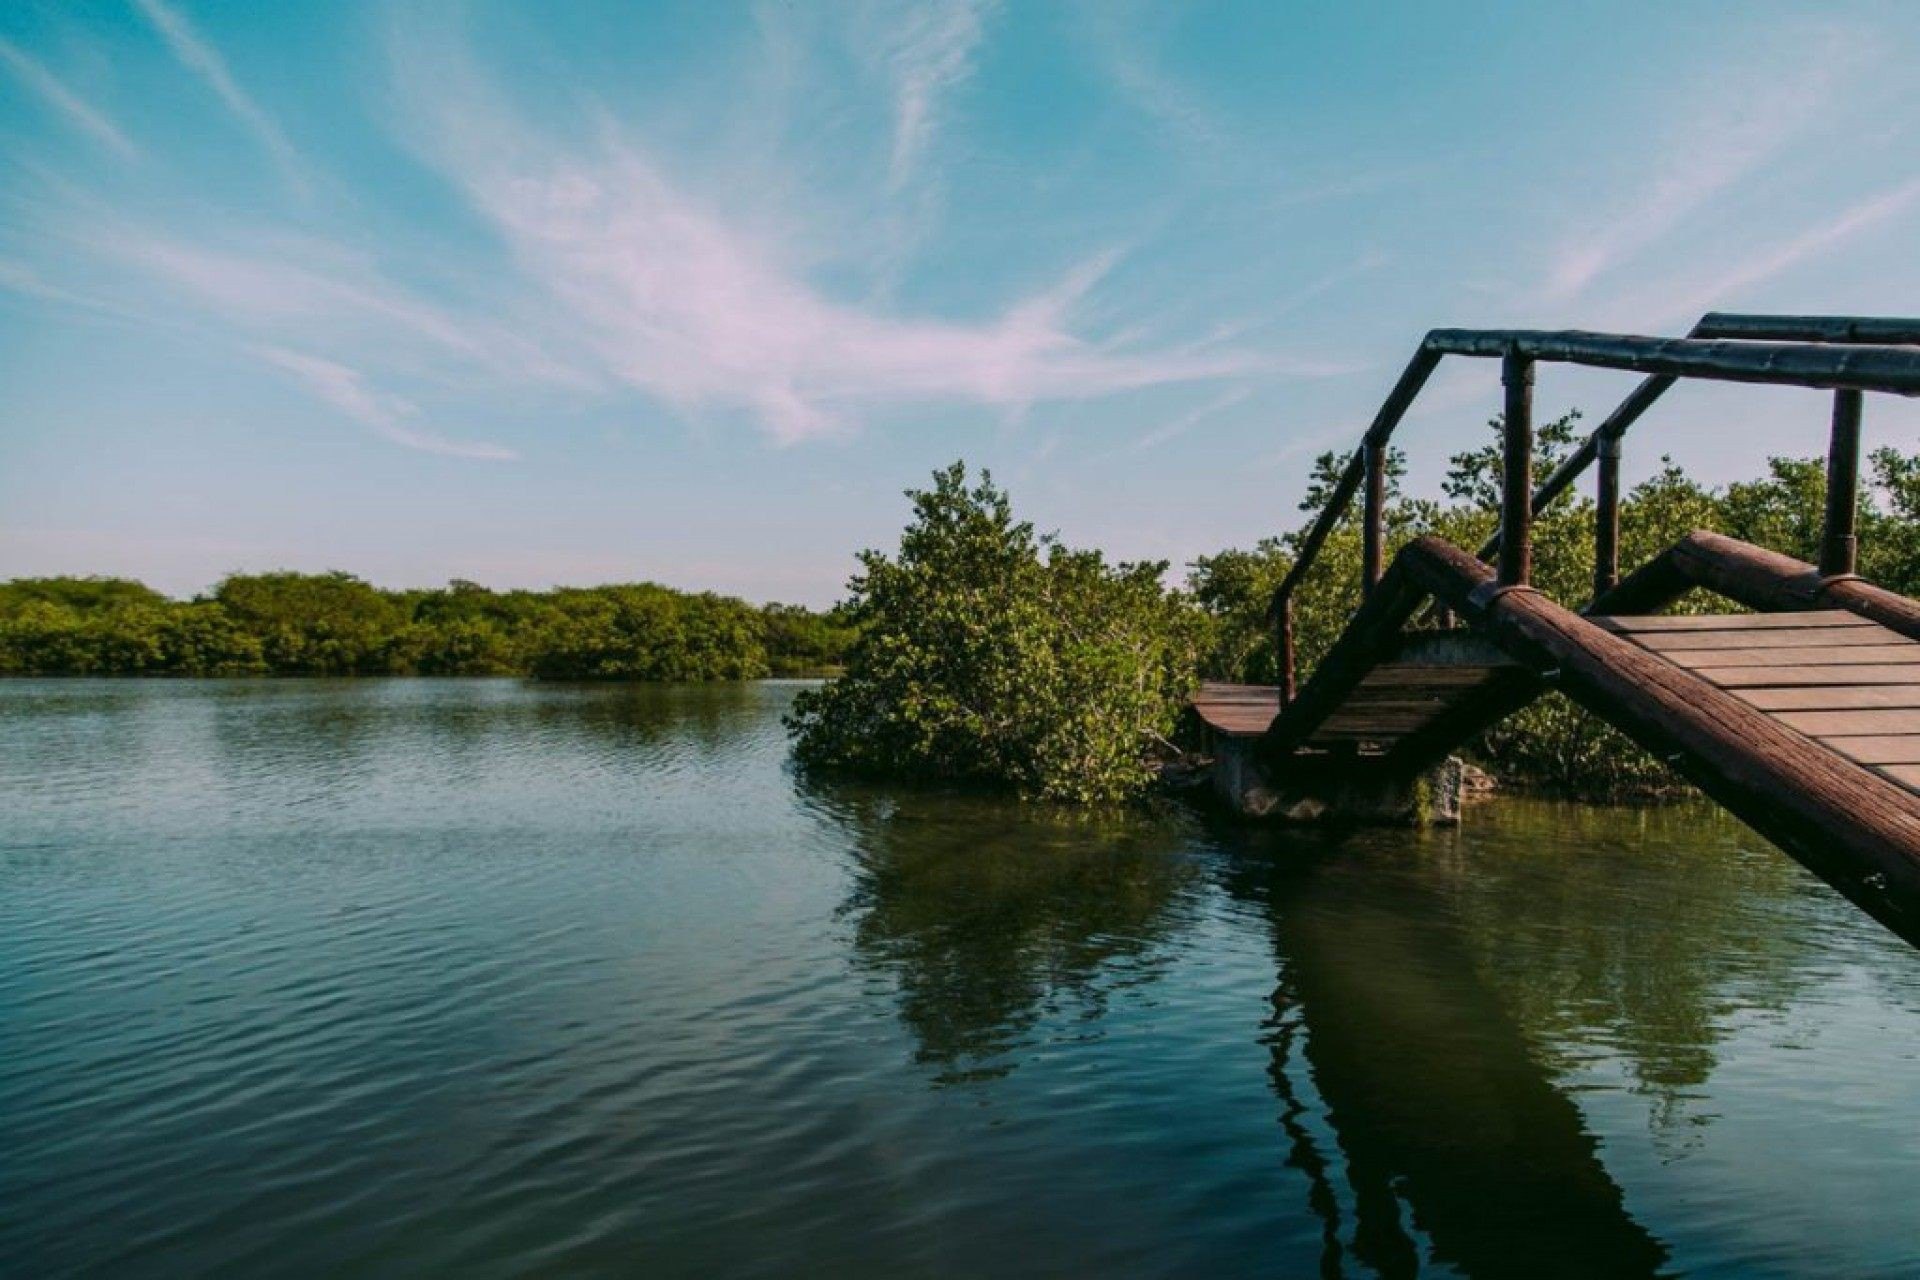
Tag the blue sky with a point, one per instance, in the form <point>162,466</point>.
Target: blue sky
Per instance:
<point>590,292</point>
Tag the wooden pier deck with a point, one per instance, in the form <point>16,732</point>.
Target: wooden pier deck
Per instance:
<point>1801,716</point>
<point>1839,680</point>
<point>1849,684</point>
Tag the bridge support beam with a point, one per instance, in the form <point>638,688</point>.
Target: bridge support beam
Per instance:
<point>1335,788</point>
<point>1755,577</point>
<point>1856,830</point>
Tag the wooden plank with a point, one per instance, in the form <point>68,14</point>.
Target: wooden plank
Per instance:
<point>1780,638</point>
<point>1822,724</point>
<point>1212,691</point>
<point>1907,775</point>
<point>1396,701</point>
<point>1765,677</point>
<point>1237,710</point>
<point>1391,725</point>
<point>1903,748</point>
<point>1402,675</point>
<point>1732,621</point>
<point>1906,651</point>
<point>1840,698</point>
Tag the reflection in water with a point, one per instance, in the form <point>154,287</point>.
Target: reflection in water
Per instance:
<point>1590,940</point>
<point>1436,994</point>
<point>1450,1133</point>
<point>499,978</point>
<point>984,923</point>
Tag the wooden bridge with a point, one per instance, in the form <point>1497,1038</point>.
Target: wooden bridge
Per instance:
<point>1800,715</point>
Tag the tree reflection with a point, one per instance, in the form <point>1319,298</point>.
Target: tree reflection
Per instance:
<point>1632,930</point>
<point>989,917</point>
<point>1435,991</point>
<point>1452,1141</point>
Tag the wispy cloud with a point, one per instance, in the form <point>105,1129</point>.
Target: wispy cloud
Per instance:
<point>1678,304</point>
<point>679,300</point>
<point>89,118</point>
<point>1111,33</point>
<point>347,390</point>
<point>18,277</point>
<point>1732,126</point>
<point>296,287</point>
<point>927,51</point>
<point>205,61</point>
<point>1176,427</point>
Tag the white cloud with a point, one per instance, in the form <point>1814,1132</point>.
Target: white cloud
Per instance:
<point>1728,127</point>
<point>87,117</point>
<point>1112,33</point>
<point>1180,425</point>
<point>927,51</point>
<point>346,390</point>
<point>675,298</point>
<point>1677,304</point>
<point>201,58</point>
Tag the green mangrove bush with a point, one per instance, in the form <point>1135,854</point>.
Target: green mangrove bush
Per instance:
<point>988,653</point>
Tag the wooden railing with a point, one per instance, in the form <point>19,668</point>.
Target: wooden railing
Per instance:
<point>1845,354</point>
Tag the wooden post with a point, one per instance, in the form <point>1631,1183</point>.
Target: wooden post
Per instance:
<point>1606,526</point>
<point>1516,486</point>
<point>1285,656</point>
<point>1373,560</point>
<point>1839,548</point>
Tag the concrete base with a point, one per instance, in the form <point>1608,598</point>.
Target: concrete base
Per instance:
<point>1335,790</point>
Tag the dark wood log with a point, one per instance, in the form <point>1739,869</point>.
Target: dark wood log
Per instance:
<point>1767,580</point>
<point>1871,329</point>
<point>1834,329</point>
<point>1374,519</point>
<point>1394,408</point>
<point>1856,828</point>
<point>1839,547</point>
<point>1285,656</point>
<point>1370,639</point>
<point>1606,519</point>
<point>1652,587</point>
<point>1467,718</point>
<point>1516,483</point>
<point>1889,369</point>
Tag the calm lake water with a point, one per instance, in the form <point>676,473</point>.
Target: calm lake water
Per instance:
<point>490,978</point>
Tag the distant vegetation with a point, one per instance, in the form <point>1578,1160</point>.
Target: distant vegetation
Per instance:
<point>979,650</point>
<point>334,624</point>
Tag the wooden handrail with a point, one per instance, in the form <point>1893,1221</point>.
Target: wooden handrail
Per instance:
<point>1847,354</point>
<point>1715,324</point>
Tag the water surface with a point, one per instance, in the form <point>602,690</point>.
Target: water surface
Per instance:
<point>396,977</point>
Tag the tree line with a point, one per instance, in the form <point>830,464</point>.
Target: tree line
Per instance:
<point>978,650</point>
<point>335,624</point>
<point>984,652</point>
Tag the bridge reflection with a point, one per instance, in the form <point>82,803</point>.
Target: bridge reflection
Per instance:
<point>1435,997</point>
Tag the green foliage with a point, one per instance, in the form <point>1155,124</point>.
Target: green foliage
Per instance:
<point>334,624</point>
<point>648,632</point>
<point>801,642</point>
<point>990,654</point>
<point>1552,743</point>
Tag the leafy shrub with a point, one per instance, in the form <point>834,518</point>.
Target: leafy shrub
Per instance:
<point>988,653</point>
